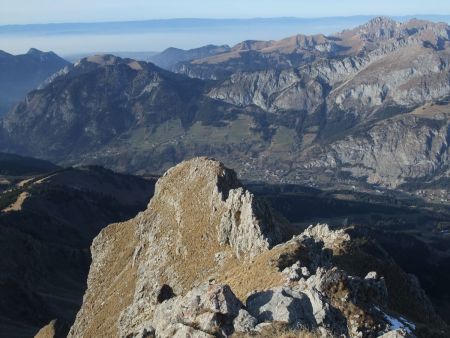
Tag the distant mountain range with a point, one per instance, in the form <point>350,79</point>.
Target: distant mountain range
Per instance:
<point>193,23</point>
<point>316,109</point>
<point>157,35</point>
<point>23,73</point>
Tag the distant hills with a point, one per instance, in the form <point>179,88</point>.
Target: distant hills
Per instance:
<point>157,35</point>
<point>329,24</point>
<point>47,223</point>
<point>23,73</point>
<point>305,109</point>
<point>14,165</point>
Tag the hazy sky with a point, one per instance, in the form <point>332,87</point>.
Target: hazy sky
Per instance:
<point>45,11</point>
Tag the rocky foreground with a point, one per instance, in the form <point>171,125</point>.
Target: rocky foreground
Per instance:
<point>209,259</point>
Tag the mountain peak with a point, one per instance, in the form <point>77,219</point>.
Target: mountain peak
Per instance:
<point>32,51</point>
<point>199,220</point>
<point>379,28</point>
<point>382,21</point>
<point>37,52</point>
<point>251,229</point>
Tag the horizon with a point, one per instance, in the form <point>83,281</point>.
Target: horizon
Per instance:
<point>394,16</point>
<point>48,11</point>
<point>155,35</point>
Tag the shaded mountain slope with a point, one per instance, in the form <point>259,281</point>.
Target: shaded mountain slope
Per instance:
<point>15,165</point>
<point>170,57</point>
<point>97,101</point>
<point>23,73</point>
<point>47,225</point>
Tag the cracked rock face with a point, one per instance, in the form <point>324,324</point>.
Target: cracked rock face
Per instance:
<point>413,146</point>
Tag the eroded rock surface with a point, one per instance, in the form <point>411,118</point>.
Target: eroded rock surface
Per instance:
<point>208,259</point>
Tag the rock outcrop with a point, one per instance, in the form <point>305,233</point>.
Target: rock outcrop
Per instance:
<point>208,259</point>
<point>199,221</point>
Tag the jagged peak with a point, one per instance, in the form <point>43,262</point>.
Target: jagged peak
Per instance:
<point>383,21</point>
<point>180,265</point>
<point>381,27</point>
<point>241,220</point>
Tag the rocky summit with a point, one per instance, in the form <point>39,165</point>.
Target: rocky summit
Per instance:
<point>209,259</point>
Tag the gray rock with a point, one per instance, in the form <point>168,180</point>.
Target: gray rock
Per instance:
<point>294,272</point>
<point>282,305</point>
<point>399,333</point>
<point>244,322</point>
<point>241,227</point>
<point>331,239</point>
<point>208,308</point>
<point>148,331</point>
<point>180,330</point>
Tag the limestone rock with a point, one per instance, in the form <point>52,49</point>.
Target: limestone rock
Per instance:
<point>399,333</point>
<point>244,322</point>
<point>282,305</point>
<point>208,308</point>
<point>294,272</point>
<point>333,240</point>
<point>240,226</point>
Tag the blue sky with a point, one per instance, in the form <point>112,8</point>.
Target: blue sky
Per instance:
<point>46,11</point>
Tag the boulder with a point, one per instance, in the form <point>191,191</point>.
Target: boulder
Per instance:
<point>209,308</point>
<point>282,304</point>
<point>244,322</point>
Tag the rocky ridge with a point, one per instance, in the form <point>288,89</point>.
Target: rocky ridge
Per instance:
<point>299,50</point>
<point>208,259</point>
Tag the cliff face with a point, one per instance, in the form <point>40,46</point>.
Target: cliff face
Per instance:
<point>411,146</point>
<point>208,259</point>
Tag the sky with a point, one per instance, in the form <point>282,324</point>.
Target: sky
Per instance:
<point>66,41</point>
<point>51,11</point>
